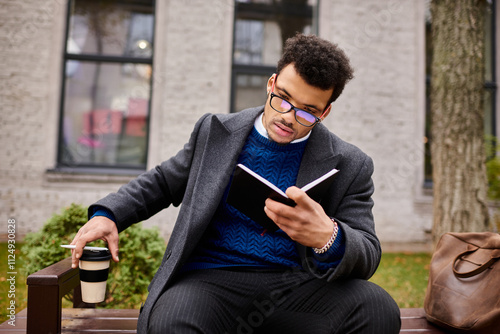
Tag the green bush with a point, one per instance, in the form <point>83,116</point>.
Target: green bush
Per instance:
<point>493,168</point>
<point>493,174</point>
<point>141,251</point>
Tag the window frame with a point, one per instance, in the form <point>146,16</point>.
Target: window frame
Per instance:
<point>89,168</point>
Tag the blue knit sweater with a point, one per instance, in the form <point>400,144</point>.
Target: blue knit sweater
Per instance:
<point>233,239</point>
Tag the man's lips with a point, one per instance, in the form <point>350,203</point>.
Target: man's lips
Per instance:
<point>283,130</point>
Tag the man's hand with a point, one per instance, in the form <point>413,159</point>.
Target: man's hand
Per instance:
<point>306,223</point>
<point>98,227</point>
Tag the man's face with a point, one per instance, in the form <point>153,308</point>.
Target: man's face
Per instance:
<point>283,128</point>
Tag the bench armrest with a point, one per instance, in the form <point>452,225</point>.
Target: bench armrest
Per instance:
<point>46,288</point>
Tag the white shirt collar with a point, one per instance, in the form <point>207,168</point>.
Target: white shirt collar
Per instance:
<point>259,126</point>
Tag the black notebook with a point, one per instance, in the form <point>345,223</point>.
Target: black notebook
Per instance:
<point>248,193</point>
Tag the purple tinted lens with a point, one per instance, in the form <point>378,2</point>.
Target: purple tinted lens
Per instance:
<point>305,117</point>
<point>285,105</point>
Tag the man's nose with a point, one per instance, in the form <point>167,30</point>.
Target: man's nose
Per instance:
<point>289,117</point>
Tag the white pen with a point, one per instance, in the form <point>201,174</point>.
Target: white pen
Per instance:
<point>90,248</point>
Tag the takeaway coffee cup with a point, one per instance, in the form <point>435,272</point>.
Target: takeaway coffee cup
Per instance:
<point>94,269</point>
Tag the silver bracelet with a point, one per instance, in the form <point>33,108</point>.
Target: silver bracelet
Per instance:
<point>330,241</point>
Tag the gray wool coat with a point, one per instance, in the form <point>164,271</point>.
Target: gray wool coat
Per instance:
<point>197,176</point>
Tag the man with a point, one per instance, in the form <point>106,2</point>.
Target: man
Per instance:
<point>221,273</point>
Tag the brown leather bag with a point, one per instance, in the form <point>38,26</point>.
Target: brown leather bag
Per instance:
<point>463,293</point>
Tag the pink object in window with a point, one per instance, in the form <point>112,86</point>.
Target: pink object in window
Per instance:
<point>136,117</point>
<point>102,121</point>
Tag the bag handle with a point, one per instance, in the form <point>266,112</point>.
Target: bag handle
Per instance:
<point>474,272</point>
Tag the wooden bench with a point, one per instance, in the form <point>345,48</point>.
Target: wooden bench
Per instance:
<point>45,313</point>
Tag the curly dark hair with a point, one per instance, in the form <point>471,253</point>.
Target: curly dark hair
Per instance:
<point>320,63</point>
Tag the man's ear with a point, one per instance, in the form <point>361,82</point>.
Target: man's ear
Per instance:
<point>270,83</point>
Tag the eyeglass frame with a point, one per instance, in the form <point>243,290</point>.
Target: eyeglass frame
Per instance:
<point>294,108</point>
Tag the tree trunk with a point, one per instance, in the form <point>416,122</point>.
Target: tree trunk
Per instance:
<point>457,90</point>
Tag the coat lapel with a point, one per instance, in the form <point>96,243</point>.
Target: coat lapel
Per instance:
<point>319,156</point>
<point>222,148</point>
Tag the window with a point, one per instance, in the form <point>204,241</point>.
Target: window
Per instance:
<point>490,81</point>
<point>260,30</point>
<point>106,87</point>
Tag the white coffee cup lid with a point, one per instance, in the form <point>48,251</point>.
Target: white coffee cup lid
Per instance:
<point>90,248</point>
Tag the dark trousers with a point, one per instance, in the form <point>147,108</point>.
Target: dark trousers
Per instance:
<point>258,301</point>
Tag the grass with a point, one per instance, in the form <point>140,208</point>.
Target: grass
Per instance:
<point>403,275</point>
<point>8,293</point>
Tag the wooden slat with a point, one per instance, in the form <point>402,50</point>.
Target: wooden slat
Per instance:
<point>82,313</point>
<point>95,320</point>
<point>20,327</point>
<point>97,325</point>
<point>413,321</point>
<point>84,320</point>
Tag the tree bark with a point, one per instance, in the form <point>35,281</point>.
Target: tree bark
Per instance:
<point>457,90</point>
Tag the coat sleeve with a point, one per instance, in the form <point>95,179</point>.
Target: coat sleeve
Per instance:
<point>354,216</point>
<point>153,190</point>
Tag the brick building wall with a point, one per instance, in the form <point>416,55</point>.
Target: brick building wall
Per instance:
<point>381,110</point>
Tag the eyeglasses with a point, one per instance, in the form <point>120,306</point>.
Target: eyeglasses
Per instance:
<point>301,116</point>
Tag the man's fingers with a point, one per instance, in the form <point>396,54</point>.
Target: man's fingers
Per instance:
<point>113,245</point>
<point>112,240</point>
<point>299,196</point>
<point>114,253</point>
<point>269,212</point>
<point>74,260</point>
<point>76,253</point>
<point>278,212</point>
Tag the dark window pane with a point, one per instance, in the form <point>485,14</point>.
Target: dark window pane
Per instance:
<point>248,45</point>
<point>489,117</point>
<point>489,42</point>
<point>250,90</point>
<point>106,112</point>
